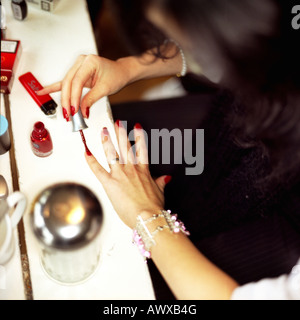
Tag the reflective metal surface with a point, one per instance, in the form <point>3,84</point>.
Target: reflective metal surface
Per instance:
<point>78,121</point>
<point>66,216</point>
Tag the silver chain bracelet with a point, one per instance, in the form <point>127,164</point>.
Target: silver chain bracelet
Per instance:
<point>144,239</point>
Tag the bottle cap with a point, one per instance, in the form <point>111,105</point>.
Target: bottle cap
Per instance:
<point>39,127</point>
<point>49,108</point>
<point>78,121</point>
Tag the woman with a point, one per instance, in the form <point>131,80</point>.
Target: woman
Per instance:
<point>243,211</point>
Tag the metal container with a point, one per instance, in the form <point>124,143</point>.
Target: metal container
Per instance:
<point>66,219</point>
<point>78,121</point>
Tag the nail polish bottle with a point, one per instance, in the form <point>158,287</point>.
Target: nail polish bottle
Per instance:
<point>19,9</point>
<point>41,142</point>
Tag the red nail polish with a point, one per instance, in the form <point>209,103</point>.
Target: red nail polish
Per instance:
<point>65,114</point>
<point>138,126</point>
<point>168,179</point>
<point>41,142</point>
<point>87,150</point>
<point>72,111</point>
<point>87,112</point>
<point>105,131</point>
<point>119,123</point>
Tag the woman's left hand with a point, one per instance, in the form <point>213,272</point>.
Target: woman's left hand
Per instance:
<point>129,184</point>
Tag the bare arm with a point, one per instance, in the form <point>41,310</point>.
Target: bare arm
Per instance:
<point>133,192</point>
<point>106,77</point>
<point>147,66</point>
<point>189,274</point>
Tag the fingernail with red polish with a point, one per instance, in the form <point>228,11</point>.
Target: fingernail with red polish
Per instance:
<point>168,179</point>
<point>72,111</point>
<point>138,126</point>
<point>105,135</point>
<point>65,114</point>
<point>119,123</point>
<point>87,112</point>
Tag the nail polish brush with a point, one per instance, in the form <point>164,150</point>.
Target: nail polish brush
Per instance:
<point>87,150</point>
<point>79,125</point>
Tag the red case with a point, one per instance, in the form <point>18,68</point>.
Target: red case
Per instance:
<point>10,56</point>
<point>45,102</point>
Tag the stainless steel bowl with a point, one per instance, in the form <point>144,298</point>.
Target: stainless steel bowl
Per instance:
<point>66,216</point>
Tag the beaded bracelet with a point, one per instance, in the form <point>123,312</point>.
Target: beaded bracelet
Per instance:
<point>144,239</point>
<point>183,71</point>
<point>184,65</point>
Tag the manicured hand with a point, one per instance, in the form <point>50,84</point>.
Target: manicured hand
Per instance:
<point>102,75</point>
<point>129,184</point>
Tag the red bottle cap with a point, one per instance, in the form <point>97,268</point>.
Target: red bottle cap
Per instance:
<point>39,130</point>
<point>39,127</point>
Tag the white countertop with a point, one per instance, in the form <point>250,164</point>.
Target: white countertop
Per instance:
<point>11,281</point>
<point>51,42</point>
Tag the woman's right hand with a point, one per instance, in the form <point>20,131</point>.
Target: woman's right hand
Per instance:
<point>103,76</point>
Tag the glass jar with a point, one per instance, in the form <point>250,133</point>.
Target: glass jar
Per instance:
<point>66,219</point>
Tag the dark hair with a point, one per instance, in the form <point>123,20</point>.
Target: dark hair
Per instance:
<point>254,43</point>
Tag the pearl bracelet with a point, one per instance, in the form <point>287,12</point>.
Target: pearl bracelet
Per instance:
<point>184,65</point>
<point>144,239</point>
<point>183,71</point>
